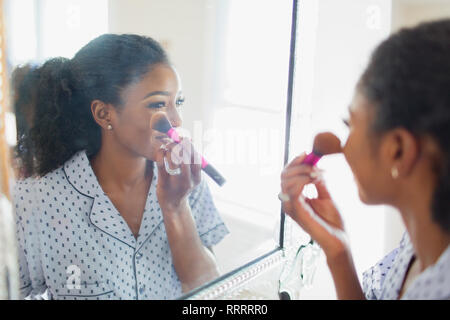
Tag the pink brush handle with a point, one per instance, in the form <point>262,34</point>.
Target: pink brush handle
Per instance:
<point>173,134</point>
<point>311,159</point>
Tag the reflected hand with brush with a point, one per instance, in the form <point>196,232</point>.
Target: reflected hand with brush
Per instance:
<point>317,216</point>
<point>160,123</point>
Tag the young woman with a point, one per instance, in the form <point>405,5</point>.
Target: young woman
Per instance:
<point>105,218</point>
<point>399,151</point>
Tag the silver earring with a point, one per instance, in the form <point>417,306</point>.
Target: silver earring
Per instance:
<point>109,127</point>
<point>394,173</point>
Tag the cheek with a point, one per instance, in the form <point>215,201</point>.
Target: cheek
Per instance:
<point>358,158</point>
<point>133,130</point>
<point>349,151</point>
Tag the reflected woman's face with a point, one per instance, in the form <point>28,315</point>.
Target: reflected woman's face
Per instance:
<point>158,90</point>
<point>362,152</point>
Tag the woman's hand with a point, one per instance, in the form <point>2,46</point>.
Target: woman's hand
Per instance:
<point>172,190</point>
<point>193,262</point>
<point>293,180</point>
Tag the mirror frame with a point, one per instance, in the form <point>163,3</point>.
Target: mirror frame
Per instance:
<point>231,281</point>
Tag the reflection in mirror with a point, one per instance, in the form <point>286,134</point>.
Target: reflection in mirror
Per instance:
<point>108,208</point>
<point>336,40</point>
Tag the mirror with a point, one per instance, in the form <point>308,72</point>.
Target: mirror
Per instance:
<point>333,40</point>
<point>233,59</point>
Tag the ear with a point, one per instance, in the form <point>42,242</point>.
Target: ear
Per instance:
<point>102,113</point>
<point>402,150</point>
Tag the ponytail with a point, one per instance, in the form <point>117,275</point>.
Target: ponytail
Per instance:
<point>62,123</point>
<point>23,80</point>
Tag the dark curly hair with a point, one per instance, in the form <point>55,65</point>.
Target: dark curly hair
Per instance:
<point>408,81</point>
<point>63,122</point>
<point>23,90</point>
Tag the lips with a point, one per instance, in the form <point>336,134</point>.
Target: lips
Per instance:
<point>161,137</point>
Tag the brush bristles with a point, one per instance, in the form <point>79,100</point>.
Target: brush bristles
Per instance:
<point>160,122</point>
<point>326,143</point>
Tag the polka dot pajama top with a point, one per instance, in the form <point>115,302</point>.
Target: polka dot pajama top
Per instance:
<point>74,244</point>
<point>384,280</point>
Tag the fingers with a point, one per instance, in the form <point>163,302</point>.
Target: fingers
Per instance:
<point>326,210</point>
<point>185,154</point>
<point>180,156</point>
<point>296,175</point>
<point>297,160</point>
<point>322,191</point>
<point>300,213</point>
<point>297,170</point>
<point>160,154</point>
<point>293,186</point>
<point>317,217</point>
<point>174,155</point>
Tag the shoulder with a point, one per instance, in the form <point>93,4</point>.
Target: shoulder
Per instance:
<point>23,198</point>
<point>43,186</point>
<point>23,186</point>
<point>26,191</point>
<point>434,282</point>
<point>374,277</point>
<point>63,174</point>
<point>23,190</point>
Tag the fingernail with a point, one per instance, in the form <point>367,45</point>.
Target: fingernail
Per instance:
<point>316,174</point>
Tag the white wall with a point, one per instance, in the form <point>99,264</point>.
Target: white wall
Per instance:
<point>407,13</point>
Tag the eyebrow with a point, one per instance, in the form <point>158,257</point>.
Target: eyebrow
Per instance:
<point>160,93</point>
<point>157,93</point>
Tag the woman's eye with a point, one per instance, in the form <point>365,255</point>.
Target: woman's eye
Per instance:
<point>179,102</point>
<point>346,122</point>
<point>156,105</point>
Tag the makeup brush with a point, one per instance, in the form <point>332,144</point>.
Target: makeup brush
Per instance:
<point>159,122</point>
<point>324,143</point>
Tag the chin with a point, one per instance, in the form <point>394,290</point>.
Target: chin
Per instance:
<point>366,199</point>
<point>151,156</point>
<point>363,195</point>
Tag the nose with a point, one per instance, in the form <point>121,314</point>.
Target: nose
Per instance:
<point>174,117</point>
<point>345,149</point>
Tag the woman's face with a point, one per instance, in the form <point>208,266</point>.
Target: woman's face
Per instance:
<point>158,90</point>
<point>364,155</point>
